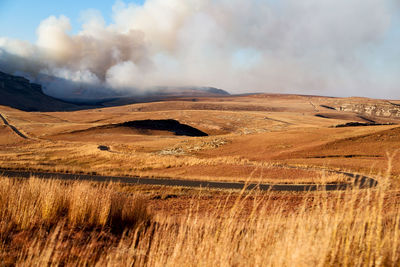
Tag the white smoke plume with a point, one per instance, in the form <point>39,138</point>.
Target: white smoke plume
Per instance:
<point>307,46</point>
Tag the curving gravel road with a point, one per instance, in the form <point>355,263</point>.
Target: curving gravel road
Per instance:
<point>360,181</point>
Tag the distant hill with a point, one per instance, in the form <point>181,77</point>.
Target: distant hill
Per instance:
<point>17,92</point>
<point>161,93</point>
<point>187,91</point>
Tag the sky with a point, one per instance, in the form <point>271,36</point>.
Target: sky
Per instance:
<point>331,47</point>
<point>20,18</point>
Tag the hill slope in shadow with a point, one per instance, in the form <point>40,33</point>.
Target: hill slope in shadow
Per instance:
<point>17,92</point>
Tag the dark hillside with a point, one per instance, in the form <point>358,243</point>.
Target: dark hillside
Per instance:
<point>17,92</point>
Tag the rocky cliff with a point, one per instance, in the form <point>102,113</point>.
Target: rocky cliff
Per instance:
<point>381,109</point>
<point>18,92</point>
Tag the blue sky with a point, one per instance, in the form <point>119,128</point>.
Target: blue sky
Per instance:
<point>20,18</point>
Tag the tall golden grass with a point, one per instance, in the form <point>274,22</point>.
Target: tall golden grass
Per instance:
<point>39,203</point>
<point>349,228</point>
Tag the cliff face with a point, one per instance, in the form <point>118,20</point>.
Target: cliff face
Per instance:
<point>17,92</point>
<point>17,83</point>
<point>384,109</point>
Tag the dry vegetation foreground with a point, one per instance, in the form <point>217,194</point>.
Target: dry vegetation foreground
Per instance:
<point>59,223</point>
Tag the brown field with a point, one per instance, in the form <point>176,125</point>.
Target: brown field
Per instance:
<point>262,138</point>
<point>258,138</point>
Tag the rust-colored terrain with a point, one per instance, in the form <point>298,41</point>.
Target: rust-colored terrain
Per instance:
<point>261,138</point>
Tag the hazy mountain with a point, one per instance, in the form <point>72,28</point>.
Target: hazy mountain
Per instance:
<point>18,92</point>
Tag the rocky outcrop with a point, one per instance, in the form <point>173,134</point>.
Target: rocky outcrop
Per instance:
<point>384,109</point>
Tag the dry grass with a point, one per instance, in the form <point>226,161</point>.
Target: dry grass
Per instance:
<point>254,138</point>
<point>351,228</point>
<point>329,233</point>
<point>37,203</point>
<point>87,158</point>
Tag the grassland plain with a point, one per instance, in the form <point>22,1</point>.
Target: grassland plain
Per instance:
<point>257,138</point>
<point>269,138</point>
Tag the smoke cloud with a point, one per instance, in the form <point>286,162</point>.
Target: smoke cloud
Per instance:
<point>308,46</point>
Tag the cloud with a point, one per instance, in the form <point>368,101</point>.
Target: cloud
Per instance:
<point>307,46</point>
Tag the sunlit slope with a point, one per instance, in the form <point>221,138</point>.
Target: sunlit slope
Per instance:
<point>258,136</point>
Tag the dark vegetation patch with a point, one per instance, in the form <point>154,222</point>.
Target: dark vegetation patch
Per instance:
<point>358,124</point>
<point>345,156</point>
<point>328,107</point>
<point>144,126</point>
<point>321,116</point>
<point>163,125</point>
<point>339,116</point>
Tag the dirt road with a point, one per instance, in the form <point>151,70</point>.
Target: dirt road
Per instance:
<point>359,181</point>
